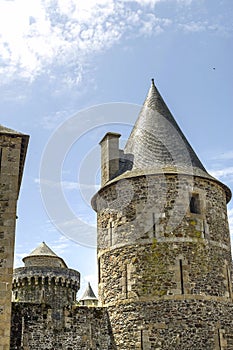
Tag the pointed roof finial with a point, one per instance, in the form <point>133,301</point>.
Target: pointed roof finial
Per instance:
<point>152,81</point>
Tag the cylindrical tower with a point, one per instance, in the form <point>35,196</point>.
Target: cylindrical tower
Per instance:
<point>163,240</point>
<point>45,278</point>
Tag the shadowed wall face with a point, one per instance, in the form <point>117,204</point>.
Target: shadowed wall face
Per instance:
<point>10,176</point>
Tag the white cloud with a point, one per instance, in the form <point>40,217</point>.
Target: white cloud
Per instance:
<point>59,36</point>
<point>68,185</point>
<point>51,121</point>
<point>60,246</point>
<point>194,26</point>
<point>223,173</point>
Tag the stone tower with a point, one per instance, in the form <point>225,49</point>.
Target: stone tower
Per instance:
<point>13,147</point>
<point>164,254</point>
<point>45,278</point>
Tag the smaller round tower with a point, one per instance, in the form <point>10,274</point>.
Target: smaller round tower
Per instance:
<point>89,298</point>
<point>45,278</point>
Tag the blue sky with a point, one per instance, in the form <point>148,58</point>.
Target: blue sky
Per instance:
<point>61,57</point>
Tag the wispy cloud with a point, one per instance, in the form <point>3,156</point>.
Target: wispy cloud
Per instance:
<point>59,37</point>
<point>61,245</point>
<point>221,173</point>
<point>194,26</point>
<point>47,35</point>
<point>49,122</point>
<point>68,185</point>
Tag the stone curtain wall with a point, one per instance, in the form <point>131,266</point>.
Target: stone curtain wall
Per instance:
<point>175,324</point>
<point>33,327</point>
<point>10,147</point>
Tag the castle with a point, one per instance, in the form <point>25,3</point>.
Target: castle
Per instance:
<point>163,246</point>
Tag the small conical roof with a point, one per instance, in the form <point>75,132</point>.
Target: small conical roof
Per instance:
<point>88,294</point>
<point>43,251</point>
<point>156,139</point>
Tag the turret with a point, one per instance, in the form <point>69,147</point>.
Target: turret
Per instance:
<point>89,298</point>
<point>45,278</point>
<point>163,234</point>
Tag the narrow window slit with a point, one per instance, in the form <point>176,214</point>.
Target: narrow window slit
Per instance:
<point>154,225</point>
<point>219,340</point>
<point>204,229</point>
<point>229,282</point>
<point>110,232</point>
<point>141,335</point>
<point>181,277</point>
<point>99,271</point>
<point>126,281</point>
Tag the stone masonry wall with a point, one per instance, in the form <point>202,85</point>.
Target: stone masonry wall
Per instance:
<point>165,262</point>
<point>81,328</point>
<point>9,182</point>
<point>175,324</point>
<point>164,268</point>
<point>151,243</point>
<point>146,207</point>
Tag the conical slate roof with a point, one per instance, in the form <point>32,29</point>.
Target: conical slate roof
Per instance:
<point>88,294</point>
<point>43,250</point>
<point>156,139</point>
<point>46,257</point>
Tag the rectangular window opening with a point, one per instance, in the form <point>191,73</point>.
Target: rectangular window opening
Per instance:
<point>195,204</point>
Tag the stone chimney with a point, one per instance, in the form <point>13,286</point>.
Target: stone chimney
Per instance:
<point>109,156</point>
